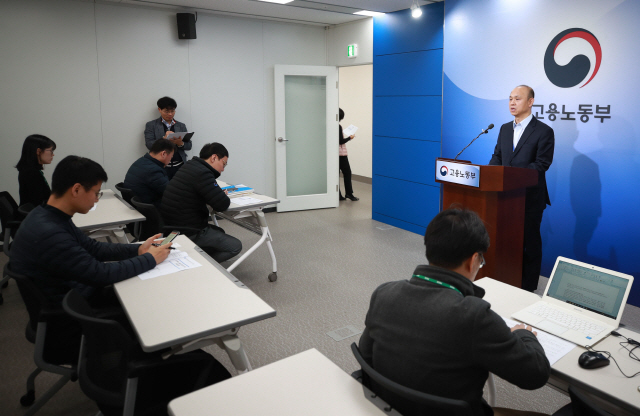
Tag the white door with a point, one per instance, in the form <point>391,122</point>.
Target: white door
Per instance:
<point>306,137</point>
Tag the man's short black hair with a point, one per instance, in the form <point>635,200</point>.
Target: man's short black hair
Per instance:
<point>211,149</point>
<point>75,169</point>
<point>162,145</point>
<point>453,236</point>
<point>167,102</point>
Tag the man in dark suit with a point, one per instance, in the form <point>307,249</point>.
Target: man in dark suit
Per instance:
<point>527,142</point>
<point>161,127</point>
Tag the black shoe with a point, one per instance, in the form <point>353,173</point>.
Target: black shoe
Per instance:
<point>342,198</point>
<point>352,197</point>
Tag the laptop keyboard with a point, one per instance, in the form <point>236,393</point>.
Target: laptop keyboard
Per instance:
<point>566,320</point>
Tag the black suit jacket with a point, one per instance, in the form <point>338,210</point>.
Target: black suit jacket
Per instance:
<point>534,151</point>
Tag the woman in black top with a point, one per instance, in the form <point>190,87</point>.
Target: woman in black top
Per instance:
<point>344,162</point>
<point>37,151</point>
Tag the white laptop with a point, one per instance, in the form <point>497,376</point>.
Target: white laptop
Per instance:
<point>582,303</point>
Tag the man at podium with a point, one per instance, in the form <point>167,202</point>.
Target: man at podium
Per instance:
<point>526,142</point>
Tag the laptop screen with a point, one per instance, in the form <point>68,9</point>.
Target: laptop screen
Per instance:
<point>590,289</point>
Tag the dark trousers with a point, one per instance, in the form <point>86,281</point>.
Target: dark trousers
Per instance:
<point>216,243</point>
<point>532,256</point>
<point>346,172</point>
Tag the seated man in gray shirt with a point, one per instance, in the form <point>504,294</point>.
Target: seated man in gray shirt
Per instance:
<point>434,333</point>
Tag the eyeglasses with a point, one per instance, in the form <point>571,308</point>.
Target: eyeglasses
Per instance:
<point>483,262</point>
<point>169,111</point>
<point>99,195</point>
<point>48,150</point>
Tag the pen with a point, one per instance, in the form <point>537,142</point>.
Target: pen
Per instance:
<point>158,245</point>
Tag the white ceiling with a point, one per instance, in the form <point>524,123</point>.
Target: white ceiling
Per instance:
<point>315,12</point>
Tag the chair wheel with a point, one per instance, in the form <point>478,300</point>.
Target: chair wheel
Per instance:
<point>5,284</point>
<point>273,276</point>
<point>28,399</point>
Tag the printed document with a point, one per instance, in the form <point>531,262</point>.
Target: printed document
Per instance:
<point>177,261</point>
<point>349,131</point>
<point>554,347</point>
<point>245,200</point>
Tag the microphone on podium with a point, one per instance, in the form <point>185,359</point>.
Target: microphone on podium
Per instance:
<point>481,133</point>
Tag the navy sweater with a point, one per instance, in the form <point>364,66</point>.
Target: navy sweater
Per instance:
<point>52,251</point>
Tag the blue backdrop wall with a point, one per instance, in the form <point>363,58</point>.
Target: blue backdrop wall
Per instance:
<point>581,58</point>
<point>407,111</point>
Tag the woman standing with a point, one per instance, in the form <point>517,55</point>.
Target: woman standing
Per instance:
<point>37,151</point>
<point>344,163</point>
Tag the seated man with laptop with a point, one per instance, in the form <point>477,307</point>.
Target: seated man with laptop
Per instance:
<point>434,333</point>
<point>582,303</point>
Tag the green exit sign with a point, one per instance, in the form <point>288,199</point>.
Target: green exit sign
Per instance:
<point>352,51</point>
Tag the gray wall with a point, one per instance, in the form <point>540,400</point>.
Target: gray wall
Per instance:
<point>88,75</point>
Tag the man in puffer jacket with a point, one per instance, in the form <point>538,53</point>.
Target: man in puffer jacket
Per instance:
<point>184,203</point>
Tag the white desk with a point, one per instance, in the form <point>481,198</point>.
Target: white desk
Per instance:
<point>607,386</point>
<point>193,308</point>
<point>109,218</point>
<point>305,384</point>
<point>236,212</point>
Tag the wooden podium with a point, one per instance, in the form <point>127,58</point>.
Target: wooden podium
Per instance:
<point>499,200</point>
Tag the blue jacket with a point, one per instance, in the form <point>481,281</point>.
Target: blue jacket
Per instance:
<point>148,179</point>
<point>53,252</point>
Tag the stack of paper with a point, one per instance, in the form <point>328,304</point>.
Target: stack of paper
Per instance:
<point>236,190</point>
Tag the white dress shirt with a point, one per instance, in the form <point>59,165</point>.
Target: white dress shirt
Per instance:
<point>519,128</point>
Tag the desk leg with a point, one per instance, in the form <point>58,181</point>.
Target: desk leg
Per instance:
<point>120,235</point>
<point>232,345</point>
<point>491,385</point>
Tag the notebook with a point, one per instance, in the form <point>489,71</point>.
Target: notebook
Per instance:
<point>582,303</point>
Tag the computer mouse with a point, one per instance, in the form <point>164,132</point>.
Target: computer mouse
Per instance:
<point>592,359</point>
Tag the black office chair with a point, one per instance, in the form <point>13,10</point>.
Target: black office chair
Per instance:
<point>580,406</point>
<point>10,220</point>
<point>404,399</point>
<point>121,378</point>
<point>127,195</point>
<point>55,336</point>
<point>154,223</point>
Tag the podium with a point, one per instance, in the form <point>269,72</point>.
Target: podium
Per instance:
<point>497,194</point>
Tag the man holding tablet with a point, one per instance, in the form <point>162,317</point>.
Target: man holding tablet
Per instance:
<point>162,127</point>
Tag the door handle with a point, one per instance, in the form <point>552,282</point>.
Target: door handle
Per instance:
<point>280,139</point>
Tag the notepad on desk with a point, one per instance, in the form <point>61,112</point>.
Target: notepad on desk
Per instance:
<point>554,347</point>
<point>177,261</point>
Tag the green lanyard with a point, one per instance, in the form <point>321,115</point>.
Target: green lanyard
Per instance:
<point>438,282</point>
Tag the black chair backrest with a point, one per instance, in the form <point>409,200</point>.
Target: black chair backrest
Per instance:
<point>8,209</point>
<point>582,406</point>
<point>32,296</point>
<point>62,343</point>
<point>106,352</point>
<point>126,193</point>
<point>404,399</point>
<point>153,224</point>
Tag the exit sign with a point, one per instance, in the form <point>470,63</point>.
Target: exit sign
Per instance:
<point>352,51</point>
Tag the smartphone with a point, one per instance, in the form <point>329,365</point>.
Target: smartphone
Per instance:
<point>170,237</point>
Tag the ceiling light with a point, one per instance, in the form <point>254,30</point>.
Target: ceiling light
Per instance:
<point>278,1</point>
<point>416,11</point>
<point>368,13</point>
